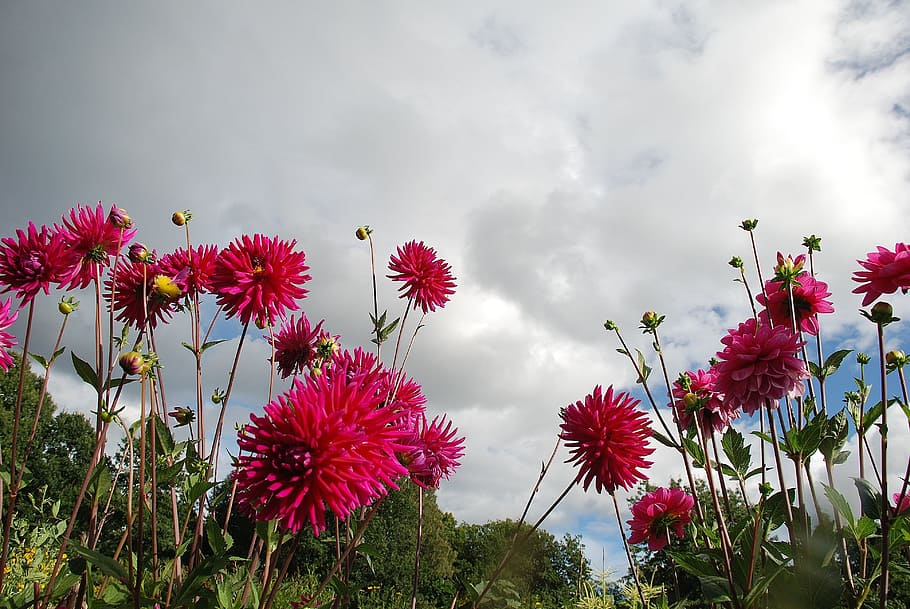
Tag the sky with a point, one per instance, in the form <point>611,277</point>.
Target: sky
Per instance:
<point>574,162</point>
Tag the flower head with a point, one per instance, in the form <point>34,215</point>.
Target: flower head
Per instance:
<point>808,301</point>
<point>325,444</point>
<point>900,505</point>
<point>32,261</point>
<point>8,316</point>
<point>759,363</point>
<point>885,272</point>
<point>433,452</point>
<point>258,278</point>
<point>658,513</point>
<point>608,438</point>
<point>140,290</point>
<point>696,400</point>
<point>427,279</point>
<point>92,238</point>
<point>182,416</point>
<point>191,269</point>
<point>297,345</point>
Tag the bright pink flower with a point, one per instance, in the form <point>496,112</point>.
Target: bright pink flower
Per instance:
<point>136,281</point>
<point>658,513</point>
<point>258,278</point>
<point>191,270</point>
<point>32,261</point>
<point>296,345</point>
<point>700,402</point>
<point>759,363</point>
<point>901,505</point>
<point>325,444</point>
<point>433,451</point>
<point>608,438</point>
<point>885,272</point>
<point>427,279</point>
<point>93,237</point>
<point>808,299</point>
<point>7,341</point>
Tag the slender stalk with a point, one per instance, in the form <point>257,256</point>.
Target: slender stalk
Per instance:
<point>416,578</point>
<point>625,545</point>
<point>886,507</point>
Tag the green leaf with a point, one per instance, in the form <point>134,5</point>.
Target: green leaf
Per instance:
<point>643,368</point>
<point>864,527</point>
<point>871,416</point>
<point>105,564</point>
<point>85,371</point>
<point>215,536</point>
<point>840,504</point>
<point>841,457</point>
<point>41,361</point>
<point>695,451</point>
<point>833,361</point>
<point>835,435</point>
<point>211,343</point>
<point>664,439</point>
<point>735,449</point>
<point>693,564</point>
<point>870,498</point>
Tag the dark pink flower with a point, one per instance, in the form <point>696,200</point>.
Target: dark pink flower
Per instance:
<point>759,363</point>
<point>257,278</point>
<point>658,513</point>
<point>297,345</point>
<point>433,451</point>
<point>808,299</point>
<point>141,289</point>
<point>7,341</point>
<point>901,505</point>
<point>32,261</point>
<point>608,438</point>
<point>93,237</point>
<point>325,444</point>
<point>700,402</point>
<point>191,269</point>
<point>428,280</point>
<point>885,272</point>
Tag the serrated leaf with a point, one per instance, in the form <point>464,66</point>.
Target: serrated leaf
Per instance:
<point>814,370</point>
<point>85,371</point>
<point>871,416</point>
<point>833,361</point>
<point>839,502</point>
<point>664,439</point>
<point>864,528</point>
<point>211,343</point>
<point>695,451</point>
<point>215,537</point>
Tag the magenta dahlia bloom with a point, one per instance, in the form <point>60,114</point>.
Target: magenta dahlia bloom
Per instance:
<point>900,505</point>
<point>759,363</point>
<point>325,444</point>
<point>141,289</point>
<point>7,341</point>
<point>257,278</point>
<point>885,272</point>
<point>297,345</point>
<point>700,402</point>
<point>93,237</point>
<point>608,439</point>
<point>808,299</point>
<point>191,269</point>
<point>427,280</point>
<point>433,451</point>
<point>32,261</point>
<point>658,513</point>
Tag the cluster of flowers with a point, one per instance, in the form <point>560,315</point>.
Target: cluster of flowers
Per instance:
<point>759,365</point>
<point>346,430</point>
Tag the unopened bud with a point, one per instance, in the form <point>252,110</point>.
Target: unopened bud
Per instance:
<point>178,218</point>
<point>691,401</point>
<point>896,358</point>
<point>67,305</point>
<point>119,218</point>
<point>863,358</point>
<point>362,232</point>
<point>139,253</point>
<point>882,314</point>
<point>132,362</point>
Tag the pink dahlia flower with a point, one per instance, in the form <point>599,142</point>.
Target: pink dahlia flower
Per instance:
<point>257,278</point>
<point>900,505</point>
<point>885,272</point>
<point>808,299</point>
<point>191,269</point>
<point>297,346</point>
<point>141,289</point>
<point>433,451</point>
<point>32,261</point>
<point>700,402</point>
<point>608,439</point>
<point>93,237</point>
<point>759,363</point>
<point>427,280</point>
<point>8,317</point>
<point>658,513</point>
<point>325,444</point>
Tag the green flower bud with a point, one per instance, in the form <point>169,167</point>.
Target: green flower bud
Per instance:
<point>132,362</point>
<point>178,218</point>
<point>362,232</point>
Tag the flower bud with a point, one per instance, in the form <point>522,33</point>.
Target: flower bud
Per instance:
<point>610,325</point>
<point>896,358</point>
<point>119,218</point>
<point>748,224</point>
<point>736,262</point>
<point>182,416</point>
<point>863,358</point>
<point>362,232</point>
<point>67,305</point>
<point>178,218</point>
<point>650,320</point>
<point>882,314</point>
<point>132,362</point>
<point>217,396</point>
<point>691,402</point>
<point>139,253</point>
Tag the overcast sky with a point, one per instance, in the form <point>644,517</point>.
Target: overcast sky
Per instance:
<point>573,161</point>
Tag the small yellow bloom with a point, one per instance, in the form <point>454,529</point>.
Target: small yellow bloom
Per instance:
<point>165,286</point>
